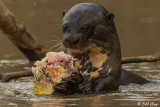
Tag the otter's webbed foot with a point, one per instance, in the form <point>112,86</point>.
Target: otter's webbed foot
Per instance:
<point>69,85</point>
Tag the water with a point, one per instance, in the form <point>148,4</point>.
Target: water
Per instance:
<point>137,24</point>
<point>19,92</point>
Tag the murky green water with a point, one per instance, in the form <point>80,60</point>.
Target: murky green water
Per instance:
<point>138,28</point>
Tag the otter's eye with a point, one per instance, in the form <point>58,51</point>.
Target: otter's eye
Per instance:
<point>65,28</point>
<point>86,29</point>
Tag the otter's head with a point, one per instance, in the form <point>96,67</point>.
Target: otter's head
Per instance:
<point>89,34</point>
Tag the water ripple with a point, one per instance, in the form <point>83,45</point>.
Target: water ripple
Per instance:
<point>4,63</point>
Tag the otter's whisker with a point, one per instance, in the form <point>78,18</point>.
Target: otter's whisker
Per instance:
<point>57,45</point>
<point>54,41</point>
<point>53,36</point>
<point>60,48</point>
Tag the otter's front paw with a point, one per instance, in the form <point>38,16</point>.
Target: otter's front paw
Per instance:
<point>69,85</point>
<point>85,88</point>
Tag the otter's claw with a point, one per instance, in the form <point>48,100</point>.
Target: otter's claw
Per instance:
<point>69,85</point>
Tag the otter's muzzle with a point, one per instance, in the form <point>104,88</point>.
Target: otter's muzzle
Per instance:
<point>71,42</point>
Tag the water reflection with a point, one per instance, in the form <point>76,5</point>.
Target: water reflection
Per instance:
<point>12,63</point>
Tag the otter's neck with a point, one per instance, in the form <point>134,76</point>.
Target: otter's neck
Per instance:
<point>101,60</point>
<point>92,61</point>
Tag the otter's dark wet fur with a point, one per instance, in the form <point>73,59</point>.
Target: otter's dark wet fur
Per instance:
<point>90,28</point>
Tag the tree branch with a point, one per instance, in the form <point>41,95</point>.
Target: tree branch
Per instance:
<point>16,31</point>
<point>6,77</point>
<point>139,59</point>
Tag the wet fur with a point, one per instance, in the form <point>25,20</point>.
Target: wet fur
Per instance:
<point>100,64</point>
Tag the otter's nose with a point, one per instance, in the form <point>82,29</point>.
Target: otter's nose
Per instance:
<point>71,42</point>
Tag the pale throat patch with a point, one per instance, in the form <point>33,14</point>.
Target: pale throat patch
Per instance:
<point>96,58</point>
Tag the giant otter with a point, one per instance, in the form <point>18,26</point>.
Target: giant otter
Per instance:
<point>90,36</point>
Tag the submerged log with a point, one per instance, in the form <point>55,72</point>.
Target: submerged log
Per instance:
<point>5,77</point>
<point>139,59</point>
<point>19,35</point>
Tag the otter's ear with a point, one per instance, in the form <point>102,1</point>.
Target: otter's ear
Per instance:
<point>64,12</point>
<point>109,17</point>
